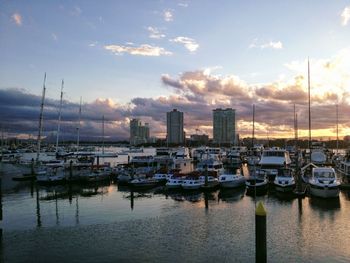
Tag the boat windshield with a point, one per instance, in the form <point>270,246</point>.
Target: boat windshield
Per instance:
<point>274,153</point>
<point>324,174</point>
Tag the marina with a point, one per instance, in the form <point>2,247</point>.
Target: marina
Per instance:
<point>174,131</point>
<point>153,222</point>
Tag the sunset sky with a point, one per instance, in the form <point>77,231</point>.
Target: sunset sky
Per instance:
<point>140,59</point>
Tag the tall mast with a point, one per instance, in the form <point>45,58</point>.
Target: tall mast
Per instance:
<point>78,128</point>
<point>41,119</point>
<point>308,81</point>
<point>103,134</point>
<point>337,129</point>
<point>253,125</point>
<point>59,117</point>
<point>295,128</point>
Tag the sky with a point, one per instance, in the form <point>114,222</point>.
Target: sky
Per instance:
<point>140,59</point>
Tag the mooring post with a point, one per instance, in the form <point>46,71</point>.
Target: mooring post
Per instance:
<point>32,167</point>
<point>260,234</point>
<point>70,170</point>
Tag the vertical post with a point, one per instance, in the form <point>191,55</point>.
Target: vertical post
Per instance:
<point>32,167</point>
<point>2,144</point>
<point>59,117</point>
<point>253,125</point>
<point>0,208</point>
<point>206,175</point>
<point>41,116</point>
<point>38,216</point>
<point>132,199</point>
<point>78,128</point>
<point>308,82</point>
<point>206,200</point>
<point>337,130</point>
<point>260,234</point>
<point>70,170</point>
<point>103,134</point>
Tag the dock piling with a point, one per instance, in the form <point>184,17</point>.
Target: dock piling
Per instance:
<point>0,209</point>
<point>260,234</point>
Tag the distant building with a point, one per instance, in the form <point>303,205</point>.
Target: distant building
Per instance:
<point>224,125</point>
<point>175,127</point>
<point>138,133</point>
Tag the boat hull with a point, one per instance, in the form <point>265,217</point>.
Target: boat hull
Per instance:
<point>284,188</point>
<point>233,184</point>
<point>258,187</point>
<point>324,192</point>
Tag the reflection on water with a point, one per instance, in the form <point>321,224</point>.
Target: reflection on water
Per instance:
<point>61,223</point>
<point>324,204</point>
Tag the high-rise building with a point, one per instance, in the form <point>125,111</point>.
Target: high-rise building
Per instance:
<point>138,133</point>
<point>224,125</point>
<point>175,127</point>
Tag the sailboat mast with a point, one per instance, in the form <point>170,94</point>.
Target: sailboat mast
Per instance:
<point>59,117</point>
<point>103,134</point>
<point>253,125</point>
<point>78,128</point>
<point>41,116</point>
<point>308,81</point>
<point>295,128</point>
<point>337,128</point>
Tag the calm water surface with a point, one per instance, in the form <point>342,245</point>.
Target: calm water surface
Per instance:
<point>108,223</point>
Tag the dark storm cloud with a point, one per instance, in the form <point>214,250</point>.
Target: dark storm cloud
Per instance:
<point>196,93</point>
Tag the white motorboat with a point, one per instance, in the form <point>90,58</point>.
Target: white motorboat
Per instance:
<point>162,177</point>
<point>343,168</point>
<point>232,180</point>
<point>324,183</point>
<point>211,165</point>
<point>284,181</point>
<point>143,183</point>
<point>272,160</point>
<point>257,184</point>
<point>191,184</point>
<point>233,157</point>
<point>174,183</point>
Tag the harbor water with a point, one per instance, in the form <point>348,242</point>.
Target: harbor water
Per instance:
<point>110,223</point>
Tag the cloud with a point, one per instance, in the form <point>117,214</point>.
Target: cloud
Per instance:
<point>189,43</point>
<point>142,50</point>
<point>183,4</point>
<point>21,114</point>
<point>76,11</point>
<point>168,15</point>
<point>54,36</point>
<point>345,15</point>
<point>93,44</point>
<point>17,18</point>
<point>270,44</point>
<point>155,33</point>
<point>197,93</point>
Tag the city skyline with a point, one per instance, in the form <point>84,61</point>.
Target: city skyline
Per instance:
<point>140,60</point>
